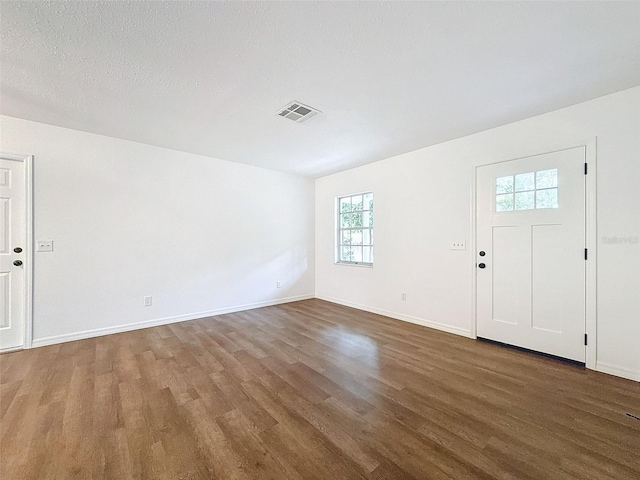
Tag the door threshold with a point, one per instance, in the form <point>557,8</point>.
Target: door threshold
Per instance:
<point>535,352</point>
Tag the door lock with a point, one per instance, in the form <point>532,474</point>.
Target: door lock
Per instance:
<point>17,250</point>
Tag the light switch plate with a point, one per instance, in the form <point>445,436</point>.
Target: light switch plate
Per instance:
<point>458,246</point>
<point>44,246</point>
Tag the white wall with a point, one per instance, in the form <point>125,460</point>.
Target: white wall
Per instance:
<point>200,235</point>
<point>423,202</point>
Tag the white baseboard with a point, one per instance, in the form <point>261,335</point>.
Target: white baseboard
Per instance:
<point>399,316</point>
<point>617,371</point>
<point>98,332</point>
<point>11,349</point>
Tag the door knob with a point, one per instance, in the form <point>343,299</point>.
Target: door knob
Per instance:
<point>481,265</point>
<point>17,263</point>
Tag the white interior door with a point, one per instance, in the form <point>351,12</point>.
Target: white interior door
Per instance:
<point>12,253</point>
<point>531,253</point>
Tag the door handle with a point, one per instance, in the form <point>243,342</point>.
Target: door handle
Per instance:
<point>481,265</point>
<point>17,263</point>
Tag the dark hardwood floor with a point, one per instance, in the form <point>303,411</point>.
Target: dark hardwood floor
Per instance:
<point>309,390</point>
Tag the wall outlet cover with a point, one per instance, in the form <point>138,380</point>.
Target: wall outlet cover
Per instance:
<point>44,246</point>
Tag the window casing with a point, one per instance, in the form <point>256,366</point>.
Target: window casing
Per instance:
<point>354,221</point>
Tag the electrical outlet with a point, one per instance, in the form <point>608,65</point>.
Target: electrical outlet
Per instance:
<point>404,297</point>
<point>458,246</point>
<point>278,285</point>
<point>44,246</point>
<point>148,301</point>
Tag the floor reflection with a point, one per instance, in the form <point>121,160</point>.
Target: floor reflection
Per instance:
<point>353,344</point>
<point>360,376</point>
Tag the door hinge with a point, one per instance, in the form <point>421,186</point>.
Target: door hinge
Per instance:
<point>585,338</point>
<point>585,253</point>
<point>585,168</point>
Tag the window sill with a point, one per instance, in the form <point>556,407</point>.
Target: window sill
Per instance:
<point>347,264</point>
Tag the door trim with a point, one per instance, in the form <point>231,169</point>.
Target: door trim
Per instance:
<point>591,242</point>
<point>28,247</point>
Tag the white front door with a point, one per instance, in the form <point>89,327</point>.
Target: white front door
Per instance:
<point>12,253</point>
<point>531,253</point>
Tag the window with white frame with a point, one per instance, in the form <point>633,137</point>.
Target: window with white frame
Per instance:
<point>354,242</point>
<point>527,191</point>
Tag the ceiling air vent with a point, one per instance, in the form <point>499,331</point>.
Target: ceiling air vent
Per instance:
<point>298,112</point>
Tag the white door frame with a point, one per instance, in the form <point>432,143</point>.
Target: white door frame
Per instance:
<point>591,240</point>
<point>28,246</point>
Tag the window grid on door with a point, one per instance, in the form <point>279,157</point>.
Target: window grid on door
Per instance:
<point>527,191</point>
<point>354,242</point>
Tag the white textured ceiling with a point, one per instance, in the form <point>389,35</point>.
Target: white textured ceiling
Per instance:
<point>390,77</point>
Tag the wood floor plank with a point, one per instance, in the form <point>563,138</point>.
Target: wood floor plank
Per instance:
<point>309,390</point>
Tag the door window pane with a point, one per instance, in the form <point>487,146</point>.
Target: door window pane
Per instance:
<point>504,184</point>
<point>547,178</point>
<point>524,201</point>
<point>504,203</point>
<point>524,181</point>
<point>547,198</point>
